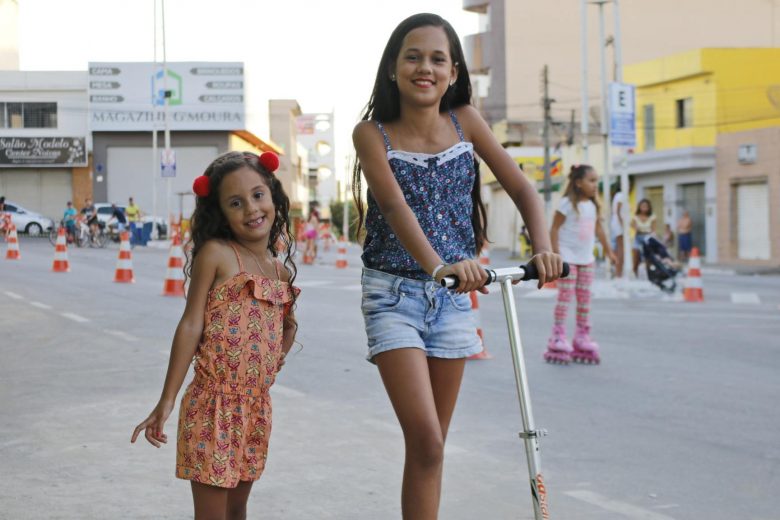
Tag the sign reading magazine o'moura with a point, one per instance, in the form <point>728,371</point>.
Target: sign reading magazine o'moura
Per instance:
<point>43,151</point>
<point>129,97</point>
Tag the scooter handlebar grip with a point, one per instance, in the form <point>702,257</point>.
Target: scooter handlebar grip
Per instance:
<point>532,273</point>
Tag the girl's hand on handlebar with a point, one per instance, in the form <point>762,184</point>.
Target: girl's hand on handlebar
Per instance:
<point>471,276</point>
<point>549,265</point>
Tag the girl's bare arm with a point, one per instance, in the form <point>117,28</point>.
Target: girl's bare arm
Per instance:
<point>371,152</point>
<point>522,192</point>
<point>185,342</point>
<point>558,220</point>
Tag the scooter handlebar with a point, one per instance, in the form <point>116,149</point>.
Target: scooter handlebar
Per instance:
<point>524,272</point>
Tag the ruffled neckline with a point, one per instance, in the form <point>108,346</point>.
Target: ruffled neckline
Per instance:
<point>263,288</point>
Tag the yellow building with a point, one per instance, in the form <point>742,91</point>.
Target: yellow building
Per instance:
<point>693,110</point>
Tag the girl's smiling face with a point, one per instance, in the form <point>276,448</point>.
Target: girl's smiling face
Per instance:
<point>247,204</point>
<point>424,68</point>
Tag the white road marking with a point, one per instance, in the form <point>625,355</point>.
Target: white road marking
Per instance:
<point>40,305</point>
<point>74,317</point>
<point>745,297</point>
<point>627,510</point>
<point>357,287</point>
<point>13,295</point>
<point>121,334</point>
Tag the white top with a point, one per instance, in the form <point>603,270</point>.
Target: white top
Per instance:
<point>577,235</point>
<point>615,228</point>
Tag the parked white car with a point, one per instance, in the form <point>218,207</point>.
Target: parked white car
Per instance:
<point>159,230</point>
<point>30,222</point>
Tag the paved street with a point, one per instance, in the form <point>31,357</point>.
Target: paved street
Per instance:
<point>679,422</point>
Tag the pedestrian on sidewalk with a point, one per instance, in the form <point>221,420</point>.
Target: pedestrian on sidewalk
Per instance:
<point>425,220</point>
<point>238,324</point>
<point>133,214</point>
<point>616,229</point>
<point>684,236</point>
<point>644,224</point>
<point>575,226</point>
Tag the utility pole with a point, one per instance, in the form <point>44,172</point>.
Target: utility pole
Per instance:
<point>167,131</point>
<point>585,115</point>
<point>546,104</point>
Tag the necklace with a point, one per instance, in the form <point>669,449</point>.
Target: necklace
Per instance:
<point>257,261</point>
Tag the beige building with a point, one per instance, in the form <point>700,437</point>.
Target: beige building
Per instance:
<point>748,173</point>
<point>293,163</point>
<point>518,37</point>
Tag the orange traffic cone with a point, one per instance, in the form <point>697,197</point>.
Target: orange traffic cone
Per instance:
<point>307,258</point>
<point>61,264</point>
<point>693,291</point>
<point>341,254</point>
<point>327,238</point>
<point>484,255</point>
<point>13,245</point>
<point>124,264</point>
<point>475,309</point>
<point>174,278</point>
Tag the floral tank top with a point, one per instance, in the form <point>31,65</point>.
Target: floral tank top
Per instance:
<point>437,188</point>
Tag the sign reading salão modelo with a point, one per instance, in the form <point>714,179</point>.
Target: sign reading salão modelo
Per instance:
<point>43,151</point>
<point>130,97</point>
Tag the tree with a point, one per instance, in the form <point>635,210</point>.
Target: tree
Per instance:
<point>337,219</point>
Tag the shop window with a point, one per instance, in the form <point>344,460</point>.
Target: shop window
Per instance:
<point>684,113</point>
<point>28,115</point>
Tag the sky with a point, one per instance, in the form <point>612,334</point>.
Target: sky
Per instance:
<point>322,53</point>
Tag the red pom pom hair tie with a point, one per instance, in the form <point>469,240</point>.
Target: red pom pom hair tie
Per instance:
<point>269,161</point>
<point>201,186</point>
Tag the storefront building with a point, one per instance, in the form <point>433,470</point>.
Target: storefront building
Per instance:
<point>44,139</point>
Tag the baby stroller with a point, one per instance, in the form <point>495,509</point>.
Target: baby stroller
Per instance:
<point>661,268</point>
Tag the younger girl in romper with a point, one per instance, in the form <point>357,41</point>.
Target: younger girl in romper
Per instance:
<point>425,220</point>
<point>238,324</point>
<point>574,226</point>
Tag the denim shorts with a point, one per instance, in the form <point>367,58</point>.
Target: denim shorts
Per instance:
<point>404,313</point>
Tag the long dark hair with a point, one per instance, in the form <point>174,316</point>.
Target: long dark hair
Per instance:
<point>577,172</point>
<point>649,207</point>
<point>209,223</point>
<point>384,106</point>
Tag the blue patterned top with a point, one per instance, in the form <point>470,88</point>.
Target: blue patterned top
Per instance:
<point>438,190</point>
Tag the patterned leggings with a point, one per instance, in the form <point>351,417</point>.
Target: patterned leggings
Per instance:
<point>579,280</point>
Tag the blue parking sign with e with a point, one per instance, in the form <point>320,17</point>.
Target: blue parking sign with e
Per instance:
<point>622,115</point>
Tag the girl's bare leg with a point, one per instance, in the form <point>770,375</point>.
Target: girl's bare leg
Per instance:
<point>236,501</point>
<point>210,501</point>
<point>423,394</point>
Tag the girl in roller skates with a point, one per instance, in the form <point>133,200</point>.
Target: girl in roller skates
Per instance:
<point>425,220</point>
<point>574,227</point>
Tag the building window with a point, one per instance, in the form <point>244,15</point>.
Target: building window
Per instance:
<point>28,115</point>
<point>684,113</point>
<point>649,116</point>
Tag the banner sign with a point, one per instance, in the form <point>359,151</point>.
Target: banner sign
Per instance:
<point>43,151</point>
<point>130,97</point>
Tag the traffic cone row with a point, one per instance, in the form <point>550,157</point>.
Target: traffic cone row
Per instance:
<point>174,277</point>
<point>13,245</point>
<point>694,291</point>
<point>124,264</point>
<point>341,254</point>
<point>61,264</point>
<point>475,309</point>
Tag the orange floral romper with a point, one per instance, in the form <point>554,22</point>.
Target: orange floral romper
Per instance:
<point>225,413</point>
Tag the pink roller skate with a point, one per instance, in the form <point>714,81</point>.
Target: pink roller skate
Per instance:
<point>585,349</point>
<point>558,348</point>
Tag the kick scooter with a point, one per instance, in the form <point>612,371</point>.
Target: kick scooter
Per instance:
<point>530,435</point>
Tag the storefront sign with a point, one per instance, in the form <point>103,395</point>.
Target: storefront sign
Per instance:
<point>130,97</point>
<point>43,151</point>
